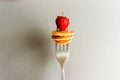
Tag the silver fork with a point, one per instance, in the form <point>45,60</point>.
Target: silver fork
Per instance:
<point>62,55</point>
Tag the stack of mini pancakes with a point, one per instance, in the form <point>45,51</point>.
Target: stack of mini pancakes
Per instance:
<point>62,37</point>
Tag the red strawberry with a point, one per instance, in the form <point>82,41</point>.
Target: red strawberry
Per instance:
<point>62,23</point>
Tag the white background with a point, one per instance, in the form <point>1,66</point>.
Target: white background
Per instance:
<point>27,51</point>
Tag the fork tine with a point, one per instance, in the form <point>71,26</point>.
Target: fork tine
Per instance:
<point>64,47</point>
<point>56,47</point>
<point>67,47</point>
<point>60,47</point>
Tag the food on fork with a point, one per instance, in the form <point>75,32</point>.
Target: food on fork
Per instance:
<point>62,23</point>
<point>62,35</point>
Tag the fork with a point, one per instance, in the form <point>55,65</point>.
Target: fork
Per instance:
<point>62,55</point>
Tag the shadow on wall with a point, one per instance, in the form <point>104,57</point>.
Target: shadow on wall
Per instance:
<point>28,55</point>
<point>26,47</point>
<point>36,48</point>
<point>38,41</point>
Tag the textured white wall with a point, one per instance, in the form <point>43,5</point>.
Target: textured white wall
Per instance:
<point>27,51</point>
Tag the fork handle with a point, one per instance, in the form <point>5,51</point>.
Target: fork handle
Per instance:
<point>62,74</point>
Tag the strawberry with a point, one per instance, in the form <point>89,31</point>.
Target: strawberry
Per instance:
<point>62,23</point>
